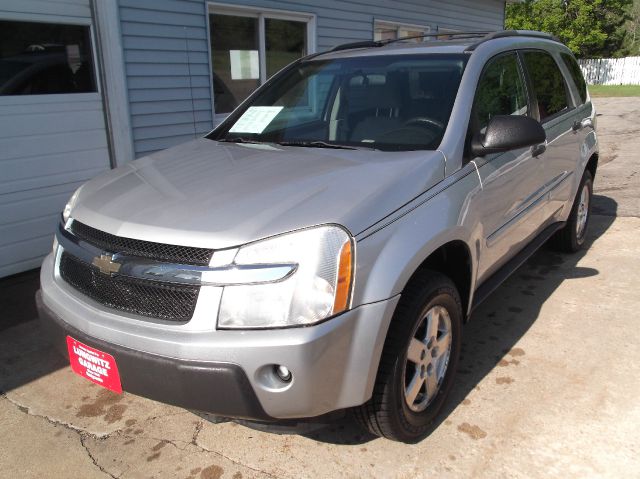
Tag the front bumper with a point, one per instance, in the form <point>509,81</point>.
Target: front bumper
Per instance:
<point>205,386</point>
<point>228,373</point>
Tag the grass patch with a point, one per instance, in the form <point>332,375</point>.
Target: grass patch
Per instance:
<point>614,90</point>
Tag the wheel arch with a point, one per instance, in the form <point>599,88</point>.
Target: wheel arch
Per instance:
<point>454,260</point>
<point>592,164</point>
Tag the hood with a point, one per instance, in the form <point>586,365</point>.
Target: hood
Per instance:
<point>218,195</point>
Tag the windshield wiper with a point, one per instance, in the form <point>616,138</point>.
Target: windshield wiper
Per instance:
<point>238,140</point>
<point>316,144</point>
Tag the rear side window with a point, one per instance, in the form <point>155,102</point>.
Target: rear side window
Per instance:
<point>548,83</point>
<point>501,91</point>
<point>576,74</point>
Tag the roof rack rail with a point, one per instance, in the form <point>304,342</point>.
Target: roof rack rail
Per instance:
<point>450,35</point>
<point>363,44</point>
<point>381,43</point>
<point>513,33</point>
<point>486,36</point>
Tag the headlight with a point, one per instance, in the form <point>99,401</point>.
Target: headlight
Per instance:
<point>319,288</point>
<point>66,213</point>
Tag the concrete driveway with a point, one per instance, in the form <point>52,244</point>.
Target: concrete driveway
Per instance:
<point>548,385</point>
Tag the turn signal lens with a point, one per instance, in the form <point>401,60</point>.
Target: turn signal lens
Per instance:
<point>343,287</point>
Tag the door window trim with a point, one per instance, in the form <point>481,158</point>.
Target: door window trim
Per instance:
<point>215,8</point>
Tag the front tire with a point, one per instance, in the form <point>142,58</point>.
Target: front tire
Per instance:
<point>571,237</point>
<point>418,362</point>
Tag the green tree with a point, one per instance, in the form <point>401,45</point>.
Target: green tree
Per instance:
<point>590,28</point>
<point>632,38</point>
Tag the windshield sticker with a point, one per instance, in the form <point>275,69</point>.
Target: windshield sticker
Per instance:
<point>255,119</point>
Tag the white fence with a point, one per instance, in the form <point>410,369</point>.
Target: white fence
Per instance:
<point>611,71</point>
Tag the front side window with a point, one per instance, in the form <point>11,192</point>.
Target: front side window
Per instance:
<point>247,49</point>
<point>501,91</point>
<point>576,74</point>
<point>548,83</point>
<point>45,58</point>
<point>399,102</point>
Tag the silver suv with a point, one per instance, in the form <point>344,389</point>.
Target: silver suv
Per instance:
<point>322,248</point>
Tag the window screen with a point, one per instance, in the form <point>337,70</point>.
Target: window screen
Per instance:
<point>45,58</point>
<point>548,83</point>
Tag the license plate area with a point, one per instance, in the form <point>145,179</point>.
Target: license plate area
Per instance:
<point>94,365</point>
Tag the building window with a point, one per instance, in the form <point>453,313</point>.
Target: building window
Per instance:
<point>383,30</point>
<point>45,58</point>
<point>446,33</point>
<point>249,46</point>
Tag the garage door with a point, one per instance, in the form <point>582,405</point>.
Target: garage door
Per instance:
<point>52,127</point>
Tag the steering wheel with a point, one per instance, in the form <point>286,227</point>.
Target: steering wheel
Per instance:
<point>426,122</point>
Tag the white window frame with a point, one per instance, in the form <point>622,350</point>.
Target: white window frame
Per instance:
<point>261,14</point>
<point>389,24</point>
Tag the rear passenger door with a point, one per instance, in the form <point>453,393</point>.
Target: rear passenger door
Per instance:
<point>583,114</point>
<point>554,107</point>
<point>510,203</point>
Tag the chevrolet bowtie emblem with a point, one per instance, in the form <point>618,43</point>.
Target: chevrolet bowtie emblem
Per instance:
<point>105,264</point>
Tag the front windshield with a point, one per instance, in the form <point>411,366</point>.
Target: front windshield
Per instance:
<point>392,102</point>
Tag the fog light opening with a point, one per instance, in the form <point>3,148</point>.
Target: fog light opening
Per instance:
<point>283,373</point>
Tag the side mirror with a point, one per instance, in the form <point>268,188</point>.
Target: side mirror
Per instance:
<point>508,132</point>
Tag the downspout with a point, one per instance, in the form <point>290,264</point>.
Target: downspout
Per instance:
<point>102,83</point>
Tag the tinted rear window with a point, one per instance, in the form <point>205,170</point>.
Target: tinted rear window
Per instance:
<point>548,83</point>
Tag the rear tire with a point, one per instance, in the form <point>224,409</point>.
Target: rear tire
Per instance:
<point>571,237</point>
<point>418,362</point>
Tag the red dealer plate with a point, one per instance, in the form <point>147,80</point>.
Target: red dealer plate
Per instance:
<point>94,365</point>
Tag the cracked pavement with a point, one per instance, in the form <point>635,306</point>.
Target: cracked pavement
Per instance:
<point>548,383</point>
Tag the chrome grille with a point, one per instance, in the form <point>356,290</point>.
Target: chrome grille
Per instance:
<point>171,302</point>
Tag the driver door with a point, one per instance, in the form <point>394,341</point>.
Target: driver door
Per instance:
<point>510,205</point>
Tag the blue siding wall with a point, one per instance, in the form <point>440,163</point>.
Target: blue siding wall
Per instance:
<point>167,59</point>
<point>167,67</point>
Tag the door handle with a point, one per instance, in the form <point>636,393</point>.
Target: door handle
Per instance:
<point>584,123</point>
<point>538,150</point>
